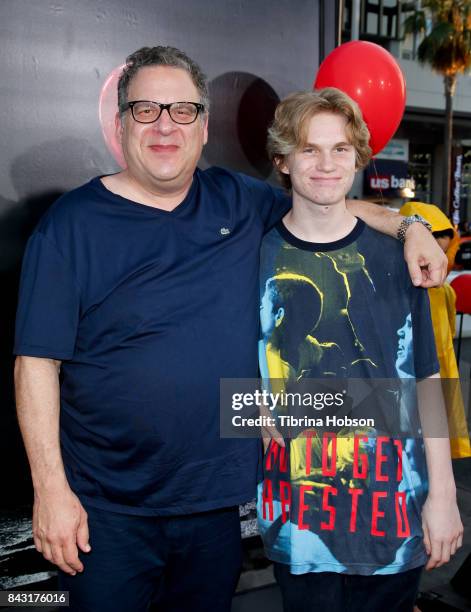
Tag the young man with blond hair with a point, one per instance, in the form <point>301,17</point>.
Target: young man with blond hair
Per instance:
<point>350,518</point>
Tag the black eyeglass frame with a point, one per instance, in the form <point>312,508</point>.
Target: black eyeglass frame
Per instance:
<point>199,109</point>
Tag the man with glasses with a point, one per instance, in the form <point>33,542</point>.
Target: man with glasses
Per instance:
<point>130,289</point>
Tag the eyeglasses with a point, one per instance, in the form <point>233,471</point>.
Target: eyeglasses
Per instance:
<point>146,111</point>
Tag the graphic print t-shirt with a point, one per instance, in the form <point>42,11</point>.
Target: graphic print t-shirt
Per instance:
<point>330,501</point>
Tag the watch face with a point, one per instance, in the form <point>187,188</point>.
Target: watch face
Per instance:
<point>420,219</point>
<point>407,221</point>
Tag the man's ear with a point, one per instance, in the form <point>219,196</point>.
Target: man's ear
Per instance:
<point>280,163</point>
<point>279,316</point>
<point>118,125</point>
<point>205,128</point>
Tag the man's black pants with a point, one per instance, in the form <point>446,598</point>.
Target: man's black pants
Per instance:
<point>316,591</point>
<point>181,563</point>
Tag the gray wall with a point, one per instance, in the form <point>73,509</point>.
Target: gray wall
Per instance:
<point>57,53</point>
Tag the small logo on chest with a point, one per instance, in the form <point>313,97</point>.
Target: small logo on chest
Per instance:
<point>224,231</point>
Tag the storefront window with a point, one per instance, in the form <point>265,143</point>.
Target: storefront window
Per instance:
<point>420,168</point>
<point>379,20</point>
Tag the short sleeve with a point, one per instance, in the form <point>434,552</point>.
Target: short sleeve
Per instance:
<point>425,352</point>
<point>272,203</point>
<point>49,303</point>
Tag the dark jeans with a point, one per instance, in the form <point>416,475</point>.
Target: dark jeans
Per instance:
<point>179,563</point>
<point>316,592</point>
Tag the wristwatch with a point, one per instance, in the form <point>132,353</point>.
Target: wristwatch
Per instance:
<point>407,221</point>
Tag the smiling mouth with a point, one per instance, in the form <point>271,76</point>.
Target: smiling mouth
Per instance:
<point>163,148</point>
<point>319,179</point>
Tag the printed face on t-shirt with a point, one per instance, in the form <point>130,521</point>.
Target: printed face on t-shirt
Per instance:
<point>322,171</point>
<point>404,356</point>
<point>267,317</point>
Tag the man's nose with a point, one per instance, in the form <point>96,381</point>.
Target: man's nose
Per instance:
<point>164,123</point>
<point>325,161</point>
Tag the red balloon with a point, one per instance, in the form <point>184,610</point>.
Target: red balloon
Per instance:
<point>107,109</point>
<point>371,76</point>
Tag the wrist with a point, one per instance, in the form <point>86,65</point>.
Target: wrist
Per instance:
<point>441,493</point>
<point>416,228</point>
<point>411,225</point>
<point>50,485</point>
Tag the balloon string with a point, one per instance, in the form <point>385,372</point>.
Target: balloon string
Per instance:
<point>383,202</point>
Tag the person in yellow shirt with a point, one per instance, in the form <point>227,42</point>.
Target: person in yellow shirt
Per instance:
<point>443,309</point>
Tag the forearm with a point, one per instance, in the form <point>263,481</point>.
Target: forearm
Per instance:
<point>426,261</point>
<point>38,407</point>
<point>378,217</point>
<point>60,524</point>
<point>439,468</point>
<point>434,424</point>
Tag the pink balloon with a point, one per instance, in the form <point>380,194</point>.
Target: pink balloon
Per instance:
<point>107,109</point>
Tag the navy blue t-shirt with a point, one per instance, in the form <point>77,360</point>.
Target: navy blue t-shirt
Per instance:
<point>147,310</point>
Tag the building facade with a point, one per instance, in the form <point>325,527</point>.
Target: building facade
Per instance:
<point>420,135</point>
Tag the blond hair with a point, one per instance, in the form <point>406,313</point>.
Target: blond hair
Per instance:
<point>288,131</point>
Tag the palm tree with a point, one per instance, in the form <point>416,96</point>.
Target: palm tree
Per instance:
<point>447,49</point>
